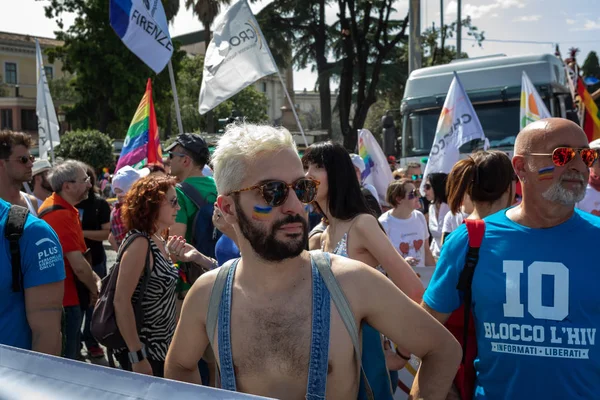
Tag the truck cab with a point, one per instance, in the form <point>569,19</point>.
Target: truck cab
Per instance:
<point>493,85</point>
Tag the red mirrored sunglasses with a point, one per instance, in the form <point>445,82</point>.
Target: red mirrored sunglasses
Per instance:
<point>561,156</point>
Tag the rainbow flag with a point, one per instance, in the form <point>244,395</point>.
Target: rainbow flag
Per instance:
<point>377,170</point>
<point>142,144</point>
<point>591,121</point>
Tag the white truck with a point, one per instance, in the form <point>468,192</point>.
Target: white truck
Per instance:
<point>493,85</point>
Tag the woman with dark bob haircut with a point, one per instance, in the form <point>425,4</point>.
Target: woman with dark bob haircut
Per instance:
<point>149,209</point>
<point>354,232</point>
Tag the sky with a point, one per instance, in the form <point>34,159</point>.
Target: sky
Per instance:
<point>572,23</point>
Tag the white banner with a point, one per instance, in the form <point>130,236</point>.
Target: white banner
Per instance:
<point>458,124</point>
<point>377,169</point>
<point>48,126</point>
<point>237,56</point>
<point>532,106</point>
<point>28,375</point>
<point>142,26</point>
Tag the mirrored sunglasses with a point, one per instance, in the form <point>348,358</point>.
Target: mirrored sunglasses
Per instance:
<point>561,156</point>
<point>276,192</point>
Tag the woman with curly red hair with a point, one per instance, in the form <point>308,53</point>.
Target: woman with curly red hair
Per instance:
<point>149,209</point>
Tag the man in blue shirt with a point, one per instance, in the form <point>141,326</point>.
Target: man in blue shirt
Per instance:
<point>535,290</point>
<point>30,319</point>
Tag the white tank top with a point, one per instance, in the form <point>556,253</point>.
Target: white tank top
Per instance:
<point>32,210</point>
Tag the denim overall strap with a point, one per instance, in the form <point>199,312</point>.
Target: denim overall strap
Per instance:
<point>225,355</point>
<point>319,345</point>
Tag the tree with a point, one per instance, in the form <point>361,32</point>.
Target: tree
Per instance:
<point>108,79</point>
<point>90,146</point>
<point>591,65</point>
<point>250,102</point>
<point>3,90</point>
<point>207,11</point>
<point>434,54</point>
<point>301,26</point>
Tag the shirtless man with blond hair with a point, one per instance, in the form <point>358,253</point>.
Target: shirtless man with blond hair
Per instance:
<point>265,342</point>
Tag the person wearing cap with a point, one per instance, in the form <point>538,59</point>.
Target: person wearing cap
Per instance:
<point>591,201</point>
<point>367,189</point>
<point>122,181</point>
<point>39,181</point>
<point>189,155</point>
<point>16,163</point>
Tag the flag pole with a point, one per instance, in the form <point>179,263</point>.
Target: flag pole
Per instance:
<point>44,83</point>
<point>175,98</point>
<point>287,95</point>
<point>291,103</point>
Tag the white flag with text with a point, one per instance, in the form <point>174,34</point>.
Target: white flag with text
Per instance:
<point>48,127</point>
<point>237,56</point>
<point>458,125</point>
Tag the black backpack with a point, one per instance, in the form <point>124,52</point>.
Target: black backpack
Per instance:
<point>204,234</point>
<point>15,224</point>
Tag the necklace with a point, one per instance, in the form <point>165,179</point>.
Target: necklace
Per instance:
<point>164,242</point>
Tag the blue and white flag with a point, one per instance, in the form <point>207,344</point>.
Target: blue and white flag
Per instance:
<point>48,126</point>
<point>142,26</point>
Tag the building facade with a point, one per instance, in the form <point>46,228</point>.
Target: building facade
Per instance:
<point>19,79</point>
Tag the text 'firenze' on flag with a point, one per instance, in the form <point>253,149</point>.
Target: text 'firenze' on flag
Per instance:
<point>237,56</point>
<point>142,26</point>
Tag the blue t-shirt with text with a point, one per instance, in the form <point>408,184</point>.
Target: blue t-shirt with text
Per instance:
<point>41,263</point>
<point>536,305</point>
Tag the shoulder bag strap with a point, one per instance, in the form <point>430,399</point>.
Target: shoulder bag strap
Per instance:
<point>50,209</point>
<point>193,194</point>
<point>476,232</point>
<point>13,231</point>
<point>323,263</point>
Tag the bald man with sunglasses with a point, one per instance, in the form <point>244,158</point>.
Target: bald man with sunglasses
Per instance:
<point>279,334</point>
<point>535,289</point>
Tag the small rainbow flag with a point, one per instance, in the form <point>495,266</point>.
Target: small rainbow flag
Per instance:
<point>591,124</point>
<point>142,144</point>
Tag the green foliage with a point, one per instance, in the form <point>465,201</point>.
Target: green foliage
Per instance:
<point>63,90</point>
<point>90,146</point>
<point>3,89</point>
<point>251,103</point>
<point>435,51</point>
<point>591,65</point>
<point>109,80</point>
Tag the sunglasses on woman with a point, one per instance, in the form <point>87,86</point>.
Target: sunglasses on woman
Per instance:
<point>417,177</point>
<point>275,192</point>
<point>173,202</point>
<point>427,186</point>
<point>413,194</point>
<point>561,156</point>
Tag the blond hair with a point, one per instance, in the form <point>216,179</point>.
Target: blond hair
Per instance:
<point>239,145</point>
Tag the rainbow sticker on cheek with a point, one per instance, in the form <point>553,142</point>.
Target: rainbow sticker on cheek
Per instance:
<point>545,174</point>
<point>261,213</point>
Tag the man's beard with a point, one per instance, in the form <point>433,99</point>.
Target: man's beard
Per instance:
<point>266,245</point>
<point>558,194</point>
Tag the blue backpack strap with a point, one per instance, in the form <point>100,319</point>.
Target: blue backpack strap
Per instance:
<point>15,225</point>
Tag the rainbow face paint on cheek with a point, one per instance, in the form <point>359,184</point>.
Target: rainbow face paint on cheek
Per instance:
<point>261,213</point>
<point>545,174</point>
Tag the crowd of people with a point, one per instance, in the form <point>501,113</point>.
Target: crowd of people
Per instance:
<point>260,271</point>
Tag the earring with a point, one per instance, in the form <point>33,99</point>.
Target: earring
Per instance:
<point>523,179</point>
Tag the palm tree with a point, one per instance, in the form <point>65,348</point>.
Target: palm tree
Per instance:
<point>207,11</point>
<point>171,8</point>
